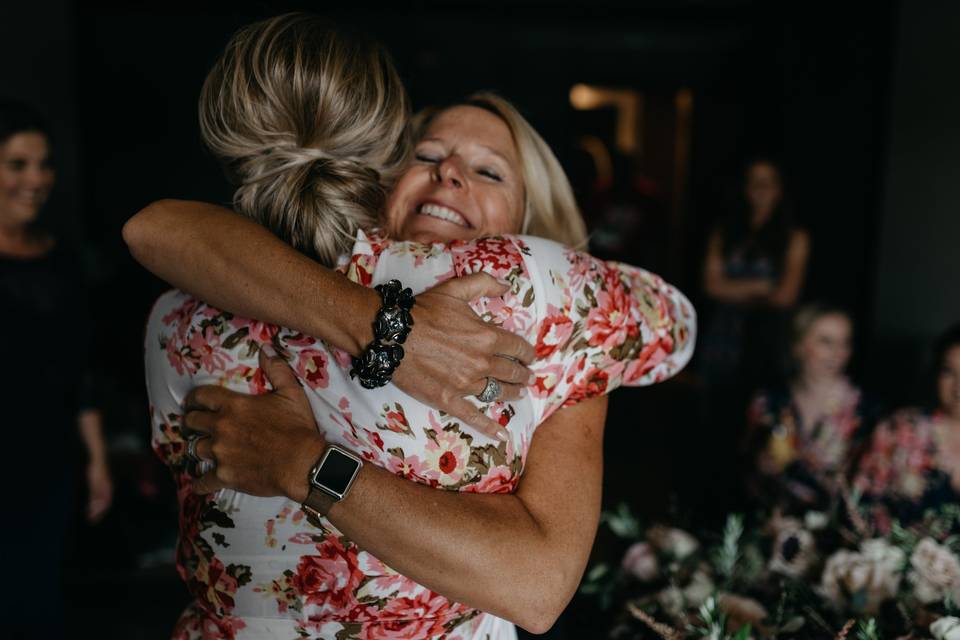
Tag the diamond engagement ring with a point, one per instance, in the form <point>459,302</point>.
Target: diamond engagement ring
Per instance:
<point>491,392</point>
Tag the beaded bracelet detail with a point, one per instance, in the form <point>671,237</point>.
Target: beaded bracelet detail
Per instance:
<point>392,325</point>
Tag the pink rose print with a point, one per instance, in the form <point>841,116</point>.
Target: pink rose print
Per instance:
<point>328,580</point>
<point>498,480</point>
<point>610,322</point>
<point>256,329</point>
<point>255,379</point>
<point>592,384</point>
<point>412,618</point>
<point>547,378</point>
<point>409,467</point>
<point>311,367</point>
<point>446,456</point>
<point>205,349</point>
<point>555,331</point>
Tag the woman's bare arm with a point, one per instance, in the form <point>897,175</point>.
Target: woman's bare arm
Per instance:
<point>237,265</point>
<point>723,289</point>
<point>787,291</point>
<point>219,257</point>
<point>519,556</point>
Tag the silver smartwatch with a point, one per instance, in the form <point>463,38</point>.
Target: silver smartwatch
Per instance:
<point>330,481</point>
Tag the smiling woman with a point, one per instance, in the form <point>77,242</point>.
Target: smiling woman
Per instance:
<point>512,178</point>
<point>41,297</point>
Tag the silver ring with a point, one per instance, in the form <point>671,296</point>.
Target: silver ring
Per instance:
<point>192,441</point>
<point>491,392</point>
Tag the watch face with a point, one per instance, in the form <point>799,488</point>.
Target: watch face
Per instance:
<point>336,471</point>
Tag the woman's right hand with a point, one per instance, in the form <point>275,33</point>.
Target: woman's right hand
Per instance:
<point>450,352</point>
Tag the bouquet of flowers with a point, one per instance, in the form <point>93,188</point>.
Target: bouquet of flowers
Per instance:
<point>814,575</point>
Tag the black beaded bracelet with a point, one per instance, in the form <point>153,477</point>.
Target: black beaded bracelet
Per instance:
<point>380,359</point>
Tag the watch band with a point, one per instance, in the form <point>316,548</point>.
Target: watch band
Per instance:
<point>317,505</point>
<point>329,482</point>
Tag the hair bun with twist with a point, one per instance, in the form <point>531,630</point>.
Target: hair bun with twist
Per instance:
<point>312,122</point>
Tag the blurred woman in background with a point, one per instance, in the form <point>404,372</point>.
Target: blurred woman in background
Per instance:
<point>913,463</point>
<point>754,270</point>
<point>49,422</point>
<point>804,437</point>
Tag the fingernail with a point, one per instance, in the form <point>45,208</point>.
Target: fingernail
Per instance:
<point>268,350</point>
<point>532,379</point>
<point>502,435</point>
<point>523,392</point>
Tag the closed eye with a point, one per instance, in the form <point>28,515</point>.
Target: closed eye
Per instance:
<point>422,157</point>
<point>493,175</point>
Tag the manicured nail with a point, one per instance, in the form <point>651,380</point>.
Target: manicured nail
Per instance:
<point>532,379</point>
<point>269,351</point>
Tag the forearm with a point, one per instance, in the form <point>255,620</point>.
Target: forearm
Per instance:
<point>486,551</point>
<point>239,266</point>
<point>519,556</point>
<point>90,425</point>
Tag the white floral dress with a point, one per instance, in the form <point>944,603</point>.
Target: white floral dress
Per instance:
<point>255,567</point>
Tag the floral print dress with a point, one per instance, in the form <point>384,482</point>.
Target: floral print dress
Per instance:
<point>806,464</point>
<point>255,567</point>
<point>902,474</point>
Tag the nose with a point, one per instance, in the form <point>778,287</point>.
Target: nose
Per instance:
<point>448,173</point>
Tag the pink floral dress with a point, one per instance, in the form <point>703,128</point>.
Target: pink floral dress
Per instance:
<point>255,567</point>
<point>806,463</point>
<point>902,474</point>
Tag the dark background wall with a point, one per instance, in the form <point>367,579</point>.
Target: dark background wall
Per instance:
<point>918,267</point>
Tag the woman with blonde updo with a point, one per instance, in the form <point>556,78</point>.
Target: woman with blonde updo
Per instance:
<point>806,436</point>
<point>417,545</point>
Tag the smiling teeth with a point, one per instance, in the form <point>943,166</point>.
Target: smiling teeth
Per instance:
<point>437,211</point>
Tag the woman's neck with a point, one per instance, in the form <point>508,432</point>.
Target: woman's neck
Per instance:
<point>819,384</point>
<point>18,241</point>
<point>759,217</point>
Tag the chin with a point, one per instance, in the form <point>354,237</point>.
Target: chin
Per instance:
<point>20,215</point>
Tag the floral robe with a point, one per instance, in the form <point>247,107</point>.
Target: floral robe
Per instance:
<point>255,567</point>
<point>808,466</point>
<point>901,475</point>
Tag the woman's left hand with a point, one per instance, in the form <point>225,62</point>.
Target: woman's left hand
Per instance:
<point>100,490</point>
<point>263,445</point>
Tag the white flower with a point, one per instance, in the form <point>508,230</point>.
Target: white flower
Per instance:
<point>888,560</point>
<point>698,589</point>
<point>794,552</point>
<point>815,520</point>
<point>671,600</point>
<point>935,572</point>
<point>946,628</point>
<point>865,579</point>
<point>676,542</point>
<point>640,561</point>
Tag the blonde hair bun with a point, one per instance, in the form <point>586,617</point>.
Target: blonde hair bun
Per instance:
<point>312,123</point>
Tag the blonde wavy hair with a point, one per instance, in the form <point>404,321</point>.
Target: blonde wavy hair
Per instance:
<point>550,209</point>
<point>312,122</point>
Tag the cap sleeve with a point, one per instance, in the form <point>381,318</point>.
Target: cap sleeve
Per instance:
<point>602,324</point>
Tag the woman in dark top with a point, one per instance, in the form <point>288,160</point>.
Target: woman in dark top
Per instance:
<point>48,424</point>
<point>753,273</point>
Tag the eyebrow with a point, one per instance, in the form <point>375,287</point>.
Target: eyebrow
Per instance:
<point>484,146</point>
